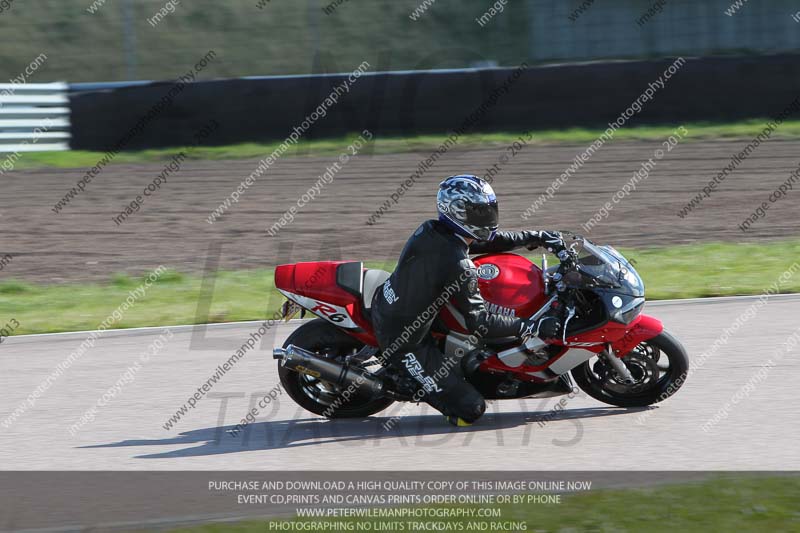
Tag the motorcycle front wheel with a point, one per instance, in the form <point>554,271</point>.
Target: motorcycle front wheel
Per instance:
<point>659,367</point>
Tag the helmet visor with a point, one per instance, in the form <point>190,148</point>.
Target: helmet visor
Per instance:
<point>483,215</point>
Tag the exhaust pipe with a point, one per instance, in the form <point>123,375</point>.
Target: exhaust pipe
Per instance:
<point>305,362</point>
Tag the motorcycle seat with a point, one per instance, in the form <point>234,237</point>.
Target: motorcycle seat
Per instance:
<point>360,282</point>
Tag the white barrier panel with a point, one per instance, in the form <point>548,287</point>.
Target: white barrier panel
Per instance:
<point>34,117</point>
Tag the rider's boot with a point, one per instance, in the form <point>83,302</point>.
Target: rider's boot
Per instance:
<point>458,421</point>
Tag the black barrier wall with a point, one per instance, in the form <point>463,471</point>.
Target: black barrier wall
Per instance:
<point>390,104</point>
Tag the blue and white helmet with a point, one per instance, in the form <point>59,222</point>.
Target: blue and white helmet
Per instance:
<point>468,205</point>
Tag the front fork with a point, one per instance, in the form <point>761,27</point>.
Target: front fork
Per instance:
<point>646,328</point>
<point>618,365</point>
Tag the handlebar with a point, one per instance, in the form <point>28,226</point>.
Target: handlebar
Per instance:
<point>568,260</point>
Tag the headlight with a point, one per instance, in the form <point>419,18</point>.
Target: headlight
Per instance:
<point>628,316</point>
<point>625,314</point>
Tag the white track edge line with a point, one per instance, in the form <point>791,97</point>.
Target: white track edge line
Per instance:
<point>222,325</point>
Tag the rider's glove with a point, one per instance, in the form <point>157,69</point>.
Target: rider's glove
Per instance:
<point>546,327</point>
<point>553,241</point>
<point>532,239</point>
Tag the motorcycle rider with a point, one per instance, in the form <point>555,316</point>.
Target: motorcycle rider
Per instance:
<point>434,268</point>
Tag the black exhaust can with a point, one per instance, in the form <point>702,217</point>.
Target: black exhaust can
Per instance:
<point>309,363</point>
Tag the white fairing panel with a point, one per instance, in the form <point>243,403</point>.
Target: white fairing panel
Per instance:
<point>373,279</point>
<point>334,314</point>
<point>571,359</point>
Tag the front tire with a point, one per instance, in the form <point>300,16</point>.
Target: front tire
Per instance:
<point>321,397</point>
<point>659,366</point>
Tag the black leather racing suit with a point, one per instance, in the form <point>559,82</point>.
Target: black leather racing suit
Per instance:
<point>434,269</point>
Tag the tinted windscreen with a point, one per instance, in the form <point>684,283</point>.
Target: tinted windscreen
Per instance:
<point>609,268</point>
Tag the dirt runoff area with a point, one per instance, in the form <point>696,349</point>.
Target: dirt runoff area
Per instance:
<point>328,218</point>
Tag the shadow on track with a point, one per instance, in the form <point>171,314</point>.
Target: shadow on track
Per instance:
<point>420,432</point>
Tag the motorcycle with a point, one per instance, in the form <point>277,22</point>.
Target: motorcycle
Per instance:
<point>332,365</point>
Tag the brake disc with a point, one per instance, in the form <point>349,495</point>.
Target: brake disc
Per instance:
<point>643,366</point>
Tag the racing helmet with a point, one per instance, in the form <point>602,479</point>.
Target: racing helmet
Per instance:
<point>467,204</point>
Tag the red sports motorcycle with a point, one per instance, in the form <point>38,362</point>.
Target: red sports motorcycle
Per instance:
<point>332,366</point>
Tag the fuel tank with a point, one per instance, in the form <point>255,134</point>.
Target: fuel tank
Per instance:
<point>510,284</point>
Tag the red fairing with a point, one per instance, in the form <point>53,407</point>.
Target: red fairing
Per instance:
<point>510,284</point>
<point>610,332</point>
<point>622,338</point>
<point>511,281</point>
<point>314,280</point>
<point>284,277</point>
<point>644,328</point>
<point>317,280</point>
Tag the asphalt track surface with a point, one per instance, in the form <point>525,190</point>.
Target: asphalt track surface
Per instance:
<point>760,433</point>
<point>82,242</point>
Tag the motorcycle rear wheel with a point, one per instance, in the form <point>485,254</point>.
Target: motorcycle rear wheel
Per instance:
<point>320,397</point>
<point>659,366</point>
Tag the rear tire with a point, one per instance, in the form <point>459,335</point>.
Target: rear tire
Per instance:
<point>646,362</point>
<point>320,397</point>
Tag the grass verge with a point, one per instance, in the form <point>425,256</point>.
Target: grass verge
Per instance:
<point>700,270</point>
<point>419,143</point>
<point>742,504</point>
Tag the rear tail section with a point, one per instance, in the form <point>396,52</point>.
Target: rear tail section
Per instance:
<point>332,290</point>
<point>313,280</point>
